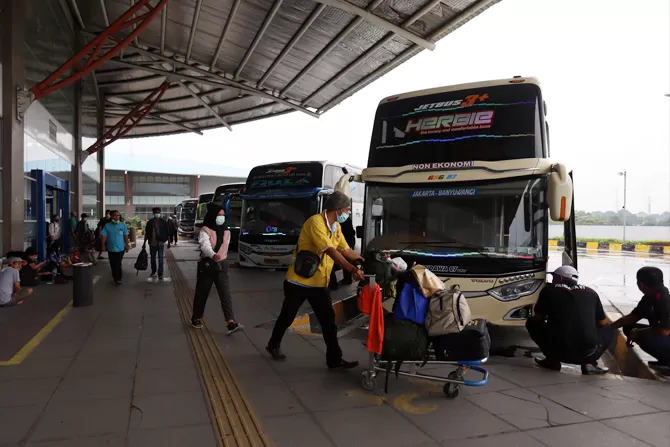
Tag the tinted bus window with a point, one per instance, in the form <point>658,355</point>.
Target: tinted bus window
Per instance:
<point>487,124</point>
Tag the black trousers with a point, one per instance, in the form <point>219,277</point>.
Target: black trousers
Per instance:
<point>554,348</point>
<point>319,300</point>
<point>205,279</point>
<point>116,262</point>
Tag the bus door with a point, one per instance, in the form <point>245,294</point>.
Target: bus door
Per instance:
<point>570,234</point>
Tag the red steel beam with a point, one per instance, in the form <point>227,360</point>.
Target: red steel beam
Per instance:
<point>132,119</point>
<point>91,57</point>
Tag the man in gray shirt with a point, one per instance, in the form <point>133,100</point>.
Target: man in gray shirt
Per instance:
<point>11,292</point>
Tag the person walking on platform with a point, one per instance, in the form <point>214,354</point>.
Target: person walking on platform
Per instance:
<point>54,234</point>
<point>320,245</point>
<point>173,227</point>
<point>157,235</point>
<point>654,338</point>
<point>214,238</point>
<point>569,324</point>
<point>98,237</point>
<point>115,242</point>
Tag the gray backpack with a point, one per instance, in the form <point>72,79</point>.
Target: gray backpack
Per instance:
<point>448,313</point>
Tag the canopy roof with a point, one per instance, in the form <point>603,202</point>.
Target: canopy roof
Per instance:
<point>233,61</point>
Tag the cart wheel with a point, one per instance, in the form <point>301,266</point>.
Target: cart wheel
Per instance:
<point>452,390</point>
<point>369,383</point>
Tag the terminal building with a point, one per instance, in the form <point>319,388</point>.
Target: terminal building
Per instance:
<point>137,193</point>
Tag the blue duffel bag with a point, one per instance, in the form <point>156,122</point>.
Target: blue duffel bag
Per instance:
<point>410,305</point>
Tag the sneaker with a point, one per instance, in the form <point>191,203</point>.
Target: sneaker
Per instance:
<point>343,364</point>
<point>233,327</point>
<point>548,364</point>
<point>276,353</point>
<point>160,277</point>
<point>117,282</point>
<point>197,323</point>
<point>593,370</point>
<point>152,275</point>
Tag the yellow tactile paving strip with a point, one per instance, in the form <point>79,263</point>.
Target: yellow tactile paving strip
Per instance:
<point>233,416</point>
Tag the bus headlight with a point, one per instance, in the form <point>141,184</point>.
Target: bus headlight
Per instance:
<point>514,291</point>
<point>245,249</point>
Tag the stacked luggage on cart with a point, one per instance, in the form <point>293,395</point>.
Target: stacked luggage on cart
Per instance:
<point>430,324</point>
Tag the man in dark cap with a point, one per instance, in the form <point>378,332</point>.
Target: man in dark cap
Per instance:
<point>321,244</point>
<point>654,306</point>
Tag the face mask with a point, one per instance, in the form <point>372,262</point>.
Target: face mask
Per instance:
<point>343,217</point>
<point>157,215</point>
<point>115,221</point>
<point>220,220</point>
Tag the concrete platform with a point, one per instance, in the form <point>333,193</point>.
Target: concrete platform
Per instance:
<point>128,372</point>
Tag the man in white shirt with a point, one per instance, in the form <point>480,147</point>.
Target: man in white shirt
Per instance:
<point>11,292</point>
<point>54,234</point>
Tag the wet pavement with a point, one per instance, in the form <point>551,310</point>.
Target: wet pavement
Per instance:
<point>612,274</point>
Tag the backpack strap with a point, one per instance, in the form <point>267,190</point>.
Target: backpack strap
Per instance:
<point>459,295</point>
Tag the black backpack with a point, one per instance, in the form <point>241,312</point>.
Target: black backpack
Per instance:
<point>376,263</point>
<point>142,262</point>
<point>403,341</point>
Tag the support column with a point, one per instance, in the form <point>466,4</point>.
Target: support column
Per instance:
<point>101,156</point>
<point>12,23</point>
<point>128,211</point>
<point>77,183</point>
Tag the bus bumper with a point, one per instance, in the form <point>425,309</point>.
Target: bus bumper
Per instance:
<point>248,258</point>
<point>503,313</point>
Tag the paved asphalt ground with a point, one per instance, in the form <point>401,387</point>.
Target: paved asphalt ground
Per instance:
<point>123,373</point>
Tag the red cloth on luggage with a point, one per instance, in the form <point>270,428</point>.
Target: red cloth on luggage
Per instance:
<point>370,303</point>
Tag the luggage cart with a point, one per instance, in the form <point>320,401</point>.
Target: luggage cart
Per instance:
<point>452,382</point>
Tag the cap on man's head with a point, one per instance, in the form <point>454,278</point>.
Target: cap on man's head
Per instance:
<point>337,201</point>
<point>567,272</point>
<point>14,259</point>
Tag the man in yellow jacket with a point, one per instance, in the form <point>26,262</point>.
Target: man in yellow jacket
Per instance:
<point>322,235</point>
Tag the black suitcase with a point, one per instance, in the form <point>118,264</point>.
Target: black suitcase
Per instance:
<point>472,343</point>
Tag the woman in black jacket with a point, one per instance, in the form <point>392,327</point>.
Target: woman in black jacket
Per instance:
<point>214,238</point>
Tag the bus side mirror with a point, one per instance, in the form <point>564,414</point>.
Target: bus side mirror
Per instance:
<point>343,185</point>
<point>359,231</point>
<point>559,193</point>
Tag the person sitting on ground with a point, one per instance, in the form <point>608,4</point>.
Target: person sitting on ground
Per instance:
<point>30,272</point>
<point>11,292</point>
<point>569,324</point>
<point>654,338</point>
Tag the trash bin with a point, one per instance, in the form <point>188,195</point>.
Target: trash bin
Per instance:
<point>82,284</point>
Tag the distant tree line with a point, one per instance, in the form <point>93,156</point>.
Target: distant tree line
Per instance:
<point>616,218</point>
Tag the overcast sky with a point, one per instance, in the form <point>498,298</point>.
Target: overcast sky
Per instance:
<point>604,66</point>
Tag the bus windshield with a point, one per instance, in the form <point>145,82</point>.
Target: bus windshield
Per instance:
<point>234,213</point>
<point>503,219</point>
<point>493,123</point>
<point>188,211</point>
<point>202,210</point>
<point>277,217</point>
